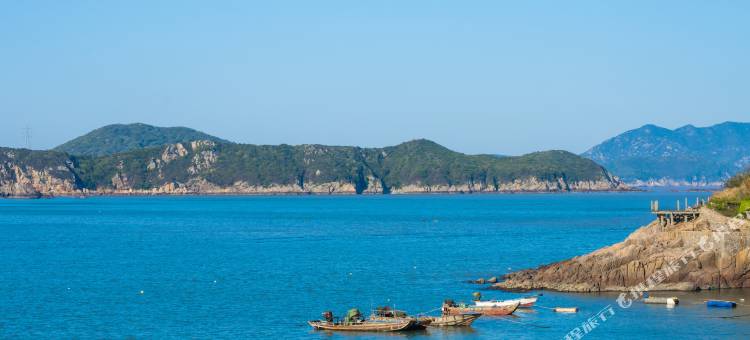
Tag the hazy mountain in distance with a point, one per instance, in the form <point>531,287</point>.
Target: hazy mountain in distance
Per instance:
<point>653,155</point>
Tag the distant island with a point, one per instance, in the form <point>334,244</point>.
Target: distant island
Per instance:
<point>146,160</point>
<point>687,156</point>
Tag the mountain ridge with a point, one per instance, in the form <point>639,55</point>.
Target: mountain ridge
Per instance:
<point>688,155</point>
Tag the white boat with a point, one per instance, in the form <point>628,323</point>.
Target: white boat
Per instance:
<point>525,302</point>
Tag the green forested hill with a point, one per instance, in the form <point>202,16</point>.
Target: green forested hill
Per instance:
<point>208,166</point>
<point>116,138</point>
<point>417,163</point>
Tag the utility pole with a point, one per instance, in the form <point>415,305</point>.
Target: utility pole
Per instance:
<point>27,135</point>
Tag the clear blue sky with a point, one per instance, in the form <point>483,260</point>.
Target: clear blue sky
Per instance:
<point>476,76</point>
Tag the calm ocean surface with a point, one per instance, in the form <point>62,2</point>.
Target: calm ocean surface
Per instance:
<point>240,267</point>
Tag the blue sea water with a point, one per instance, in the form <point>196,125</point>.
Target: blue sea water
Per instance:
<point>242,267</point>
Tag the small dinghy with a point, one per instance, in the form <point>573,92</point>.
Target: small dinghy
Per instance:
<point>353,322</point>
<point>526,302</point>
<point>721,303</point>
<point>460,320</point>
<point>451,308</point>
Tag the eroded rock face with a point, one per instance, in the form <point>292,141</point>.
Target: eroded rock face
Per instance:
<point>172,152</point>
<point>708,253</point>
<point>22,181</point>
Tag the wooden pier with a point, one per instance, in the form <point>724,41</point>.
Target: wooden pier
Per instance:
<point>672,217</point>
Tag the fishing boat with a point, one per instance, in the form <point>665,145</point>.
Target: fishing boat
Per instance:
<point>459,320</point>
<point>387,314</point>
<point>364,326</point>
<point>451,308</point>
<point>525,302</point>
<point>353,322</point>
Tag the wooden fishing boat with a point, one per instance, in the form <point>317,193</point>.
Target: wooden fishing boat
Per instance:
<point>525,302</point>
<point>460,320</point>
<point>353,322</point>
<point>386,314</point>
<point>364,326</point>
<point>450,308</point>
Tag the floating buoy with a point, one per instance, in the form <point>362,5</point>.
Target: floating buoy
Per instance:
<point>672,300</point>
<point>566,309</point>
<point>141,292</point>
<point>477,296</point>
<point>721,303</point>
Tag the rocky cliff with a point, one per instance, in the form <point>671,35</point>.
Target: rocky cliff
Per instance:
<point>209,167</point>
<point>709,252</point>
<point>25,173</point>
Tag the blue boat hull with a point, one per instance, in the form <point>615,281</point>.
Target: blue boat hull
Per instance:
<point>722,304</point>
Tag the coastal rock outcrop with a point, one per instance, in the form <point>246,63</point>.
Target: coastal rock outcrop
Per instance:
<point>25,175</point>
<point>710,252</point>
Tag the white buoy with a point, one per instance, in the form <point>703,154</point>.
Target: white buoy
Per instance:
<point>566,309</point>
<point>141,292</point>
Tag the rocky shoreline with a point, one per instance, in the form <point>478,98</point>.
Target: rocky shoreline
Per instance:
<point>267,192</point>
<point>710,252</point>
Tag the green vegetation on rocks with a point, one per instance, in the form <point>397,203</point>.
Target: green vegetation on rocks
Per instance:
<point>735,198</point>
